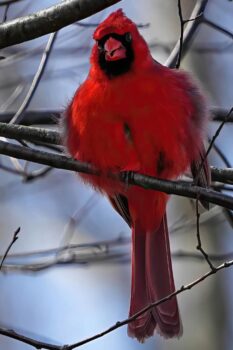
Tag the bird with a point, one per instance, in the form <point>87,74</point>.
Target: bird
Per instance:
<point>132,114</point>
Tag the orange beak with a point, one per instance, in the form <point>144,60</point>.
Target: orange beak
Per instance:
<point>114,50</point>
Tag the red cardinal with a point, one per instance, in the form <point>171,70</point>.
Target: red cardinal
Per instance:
<point>133,114</point>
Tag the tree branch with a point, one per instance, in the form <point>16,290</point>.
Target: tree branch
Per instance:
<point>36,80</point>
<point>49,20</point>
<point>187,33</point>
<point>130,178</point>
<point>31,134</point>
<point>14,239</point>
<point>43,136</point>
<point>42,345</point>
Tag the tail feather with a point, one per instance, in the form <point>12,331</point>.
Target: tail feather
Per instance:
<point>152,280</point>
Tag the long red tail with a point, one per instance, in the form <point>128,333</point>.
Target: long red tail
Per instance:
<point>152,280</point>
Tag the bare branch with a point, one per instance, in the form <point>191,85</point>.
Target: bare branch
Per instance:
<point>211,144</point>
<point>170,187</point>
<point>217,27</point>
<point>199,242</point>
<point>49,20</point>
<point>42,345</point>
<point>8,2</point>
<point>187,34</point>
<point>43,136</point>
<point>15,237</point>
<point>31,134</point>
<point>26,340</point>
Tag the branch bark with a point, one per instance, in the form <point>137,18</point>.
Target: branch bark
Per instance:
<point>187,34</point>
<point>41,345</point>
<point>130,178</point>
<point>49,20</point>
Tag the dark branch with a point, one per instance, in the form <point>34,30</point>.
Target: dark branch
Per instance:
<point>26,340</point>
<point>8,2</point>
<point>211,144</point>
<point>199,241</point>
<point>170,187</point>
<point>187,34</point>
<point>14,239</point>
<point>41,345</point>
<point>31,134</point>
<point>217,27</point>
<point>43,136</point>
<point>182,23</point>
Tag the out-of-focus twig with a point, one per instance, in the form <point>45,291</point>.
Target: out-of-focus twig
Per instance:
<point>39,73</point>
<point>217,27</point>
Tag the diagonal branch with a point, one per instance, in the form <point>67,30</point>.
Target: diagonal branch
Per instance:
<point>187,34</point>
<point>14,239</point>
<point>211,144</point>
<point>41,345</point>
<point>36,80</point>
<point>49,20</point>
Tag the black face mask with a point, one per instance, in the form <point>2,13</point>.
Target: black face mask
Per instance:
<point>121,66</point>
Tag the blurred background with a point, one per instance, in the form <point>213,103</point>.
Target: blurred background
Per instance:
<point>68,302</point>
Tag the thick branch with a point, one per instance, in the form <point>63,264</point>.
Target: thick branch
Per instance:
<point>147,182</point>
<point>30,133</point>
<point>49,20</point>
<point>42,135</point>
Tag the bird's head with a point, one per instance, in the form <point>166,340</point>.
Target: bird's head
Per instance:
<point>118,47</point>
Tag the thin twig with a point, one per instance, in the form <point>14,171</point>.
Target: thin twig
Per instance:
<point>6,13</point>
<point>42,345</point>
<point>211,145</point>
<point>199,243</point>
<point>187,34</point>
<point>217,27</point>
<point>15,237</point>
<point>182,23</point>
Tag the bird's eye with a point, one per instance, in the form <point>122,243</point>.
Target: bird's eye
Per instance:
<point>128,37</point>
